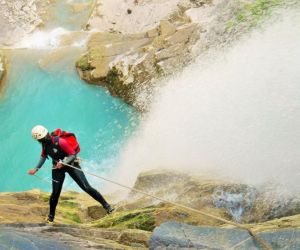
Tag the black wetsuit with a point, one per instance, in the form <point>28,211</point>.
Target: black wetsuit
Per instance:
<point>54,148</point>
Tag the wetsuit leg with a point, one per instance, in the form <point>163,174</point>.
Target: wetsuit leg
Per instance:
<point>58,177</point>
<point>79,177</point>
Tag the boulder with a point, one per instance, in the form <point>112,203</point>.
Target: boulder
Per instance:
<point>95,212</point>
<point>13,239</point>
<point>41,236</point>
<point>234,201</point>
<point>174,235</point>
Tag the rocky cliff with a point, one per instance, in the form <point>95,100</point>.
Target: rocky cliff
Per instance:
<point>127,64</point>
<point>134,50</point>
<point>19,18</point>
<point>81,221</point>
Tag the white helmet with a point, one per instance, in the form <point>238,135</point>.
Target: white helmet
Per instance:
<point>39,132</point>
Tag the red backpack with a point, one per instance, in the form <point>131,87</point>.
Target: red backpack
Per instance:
<point>69,137</point>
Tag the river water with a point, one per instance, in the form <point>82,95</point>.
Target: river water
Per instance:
<point>54,96</point>
<point>43,87</point>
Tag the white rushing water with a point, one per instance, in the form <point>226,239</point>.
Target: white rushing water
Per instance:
<point>53,39</point>
<point>238,117</point>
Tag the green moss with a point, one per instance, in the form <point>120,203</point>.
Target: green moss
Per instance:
<point>68,203</point>
<point>72,216</point>
<point>142,219</point>
<point>241,16</point>
<point>251,13</point>
<point>113,77</point>
<point>117,86</point>
<point>96,53</point>
<point>158,69</point>
<point>83,63</point>
<point>45,197</point>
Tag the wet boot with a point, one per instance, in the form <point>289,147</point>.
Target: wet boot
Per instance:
<point>109,209</point>
<point>50,219</point>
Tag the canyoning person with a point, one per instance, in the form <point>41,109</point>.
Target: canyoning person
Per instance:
<point>61,152</point>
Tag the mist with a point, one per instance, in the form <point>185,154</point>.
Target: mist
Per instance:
<point>234,114</point>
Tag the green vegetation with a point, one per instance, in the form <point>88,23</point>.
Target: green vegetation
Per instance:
<point>113,77</point>
<point>44,197</point>
<point>83,63</point>
<point>117,86</point>
<point>68,203</point>
<point>252,13</point>
<point>142,219</point>
<point>72,216</point>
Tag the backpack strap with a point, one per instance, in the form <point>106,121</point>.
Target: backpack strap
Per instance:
<point>55,140</point>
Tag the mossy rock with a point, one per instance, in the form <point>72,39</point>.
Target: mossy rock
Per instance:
<point>45,197</point>
<point>117,87</point>
<point>252,13</point>
<point>83,63</point>
<point>69,203</point>
<point>74,217</point>
<point>142,219</point>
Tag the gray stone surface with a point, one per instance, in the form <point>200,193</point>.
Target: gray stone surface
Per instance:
<point>32,236</point>
<point>13,239</point>
<point>174,235</point>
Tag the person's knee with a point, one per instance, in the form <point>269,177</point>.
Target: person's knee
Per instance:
<point>88,189</point>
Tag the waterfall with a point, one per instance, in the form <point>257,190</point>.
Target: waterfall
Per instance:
<point>234,113</point>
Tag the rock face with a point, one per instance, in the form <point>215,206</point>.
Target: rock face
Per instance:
<point>128,17</point>
<point>128,64</point>
<point>171,36</point>
<point>18,18</point>
<point>173,235</point>
<point>81,222</point>
<point>15,239</point>
<point>235,201</point>
<point>63,237</point>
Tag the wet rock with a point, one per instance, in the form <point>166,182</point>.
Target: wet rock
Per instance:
<point>235,201</point>
<point>173,235</point>
<point>95,212</point>
<point>13,239</point>
<point>128,64</point>
<point>20,18</point>
<point>41,236</point>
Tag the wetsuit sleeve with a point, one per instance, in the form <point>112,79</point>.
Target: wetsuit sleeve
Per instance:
<point>43,154</point>
<point>41,162</point>
<point>67,149</point>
